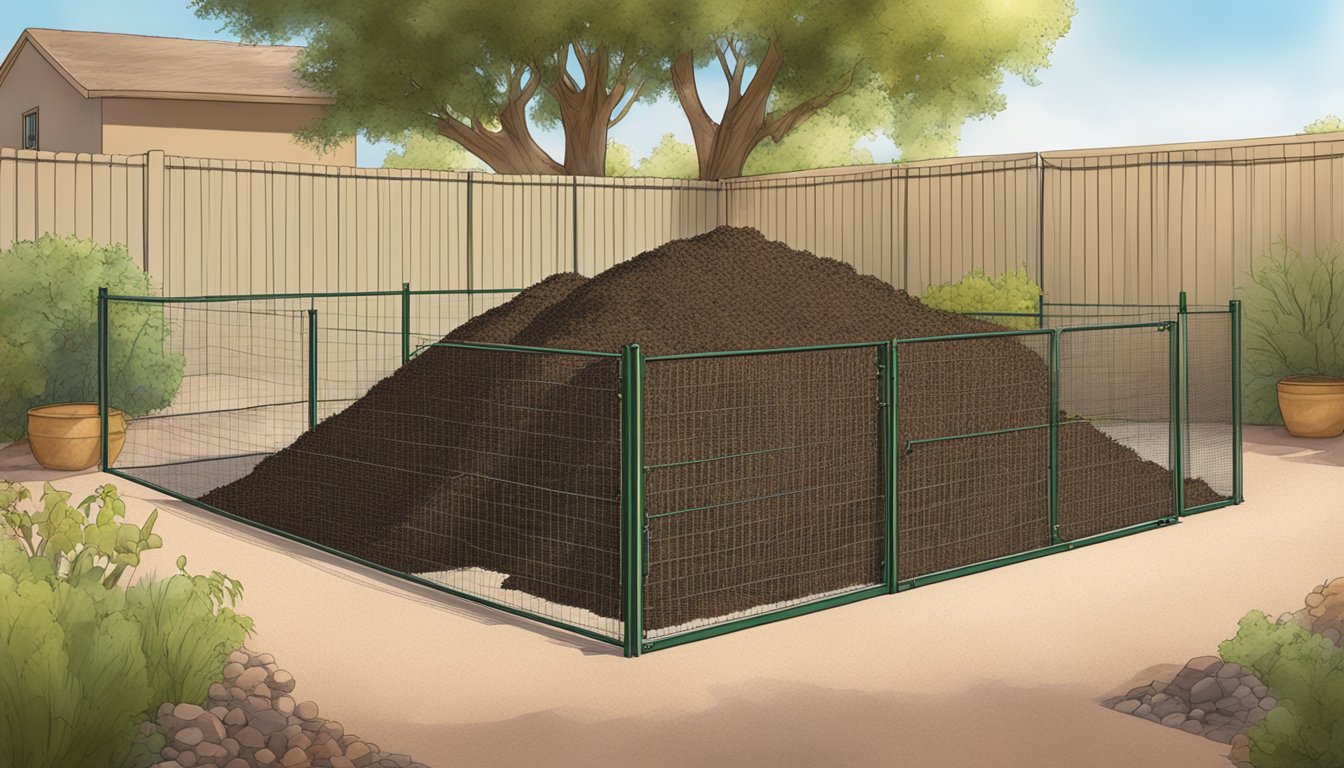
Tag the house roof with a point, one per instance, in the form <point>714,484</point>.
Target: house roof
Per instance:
<point>99,64</point>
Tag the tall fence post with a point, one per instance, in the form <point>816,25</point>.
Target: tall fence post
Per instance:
<point>633,525</point>
<point>1040,220</point>
<point>888,370</point>
<point>1052,462</point>
<point>152,217</point>
<point>1175,331</point>
<point>312,368</point>
<point>471,244</point>
<point>102,379</point>
<point>1183,315</point>
<point>1234,307</point>
<point>405,323</point>
<point>574,220</point>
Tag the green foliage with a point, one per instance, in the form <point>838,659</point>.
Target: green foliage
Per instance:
<point>82,661</point>
<point>49,331</point>
<point>1327,124</point>
<point>425,151</point>
<point>1305,672</point>
<point>827,140</point>
<point>1013,292</point>
<point>76,543</point>
<point>1293,324</point>
<point>188,632</point>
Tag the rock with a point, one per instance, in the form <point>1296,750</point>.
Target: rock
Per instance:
<point>334,728</point>
<point>1205,690</point>
<point>168,753</point>
<point>401,761</point>
<point>167,763</point>
<point>357,750</point>
<point>220,712</point>
<point>232,670</point>
<point>302,741</point>
<point>1192,726</point>
<point>188,738</point>
<point>1268,703</point>
<point>211,726</point>
<point>1127,706</point>
<point>282,681</point>
<point>1217,718</point>
<point>306,711</point>
<point>284,705</point>
<point>1241,750</point>
<point>251,738</point>
<point>1152,717</point>
<point>1228,705</point>
<point>237,694</point>
<point>1315,599</point>
<point>255,705</point>
<point>236,716</point>
<point>341,762</point>
<point>277,743</point>
<point>1241,691</point>
<point>239,657</point>
<point>263,757</point>
<point>1256,715</point>
<point>250,678</point>
<point>268,721</point>
<point>211,752</point>
<point>1172,720</point>
<point>1140,692</point>
<point>261,660</point>
<point>262,690</point>
<point>165,709</point>
<point>1224,734</point>
<point>1169,706</point>
<point>231,746</point>
<point>217,692</point>
<point>187,759</point>
<point>292,730</point>
<point>237,762</point>
<point>1144,710</point>
<point>1260,691</point>
<point>1228,685</point>
<point>1197,714</point>
<point>311,727</point>
<point>1230,670</point>
<point>295,758</point>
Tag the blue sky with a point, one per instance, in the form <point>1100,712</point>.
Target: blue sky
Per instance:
<point>1129,72</point>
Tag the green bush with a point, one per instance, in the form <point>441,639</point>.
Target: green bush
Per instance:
<point>1293,324</point>
<point>49,331</point>
<point>1013,292</point>
<point>1305,672</point>
<point>82,661</point>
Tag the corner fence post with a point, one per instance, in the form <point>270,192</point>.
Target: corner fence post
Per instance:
<point>889,371</point>
<point>405,323</point>
<point>633,532</point>
<point>1176,331</point>
<point>312,368</point>
<point>1052,463</point>
<point>102,379</point>
<point>1234,307</point>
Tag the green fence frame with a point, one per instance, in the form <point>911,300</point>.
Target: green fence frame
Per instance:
<point>633,472</point>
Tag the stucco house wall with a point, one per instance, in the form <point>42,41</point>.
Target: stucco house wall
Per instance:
<point>66,121</point>
<point>222,129</point>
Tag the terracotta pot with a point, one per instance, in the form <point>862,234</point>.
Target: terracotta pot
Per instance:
<point>65,435</point>
<point>1312,406</point>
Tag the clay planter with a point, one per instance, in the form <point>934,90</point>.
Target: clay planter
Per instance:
<point>1312,406</point>
<point>65,435</point>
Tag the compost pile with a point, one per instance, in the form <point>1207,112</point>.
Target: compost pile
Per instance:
<point>764,483</point>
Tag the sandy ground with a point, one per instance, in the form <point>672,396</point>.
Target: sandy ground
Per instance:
<point>1003,668</point>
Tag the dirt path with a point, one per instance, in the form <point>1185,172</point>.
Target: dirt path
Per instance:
<point>1003,668</point>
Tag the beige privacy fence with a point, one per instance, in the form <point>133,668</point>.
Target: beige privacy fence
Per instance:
<point>1123,225</point>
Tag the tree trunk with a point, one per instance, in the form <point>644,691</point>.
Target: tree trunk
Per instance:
<point>586,113</point>
<point>722,148</point>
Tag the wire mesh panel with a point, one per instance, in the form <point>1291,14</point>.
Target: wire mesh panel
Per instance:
<point>1208,432</point>
<point>973,433</point>
<point>763,484</point>
<point>1115,429</point>
<point>243,391</point>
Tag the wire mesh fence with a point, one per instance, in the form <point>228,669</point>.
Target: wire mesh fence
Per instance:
<point>647,502</point>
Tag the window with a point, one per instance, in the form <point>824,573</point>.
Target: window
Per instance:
<point>30,130</point>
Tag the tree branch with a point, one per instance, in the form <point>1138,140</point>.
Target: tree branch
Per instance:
<point>625,110</point>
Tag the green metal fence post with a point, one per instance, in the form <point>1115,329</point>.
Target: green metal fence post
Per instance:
<point>312,368</point>
<point>1183,327</point>
<point>1052,465</point>
<point>103,389</point>
<point>889,370</point>
<point>1234,306</point>
<point>1040,312</point>
<point>633,530</point>
<point>1174,395</point>
<point>405,323</point>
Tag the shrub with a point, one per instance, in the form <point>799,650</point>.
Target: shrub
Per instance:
<point>1013,291</point>
<point>82,661</point>
<point>1293,324</point>
<point>1305,672</point>
<point>49,327</point>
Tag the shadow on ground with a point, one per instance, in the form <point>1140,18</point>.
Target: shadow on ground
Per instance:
<point>1275,441</point>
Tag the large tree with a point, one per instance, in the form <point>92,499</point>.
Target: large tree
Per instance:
<point>470,70</point>
<point>936,61</point>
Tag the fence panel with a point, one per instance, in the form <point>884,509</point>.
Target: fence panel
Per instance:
<point>764,484</point>
<point>1209,430</point>
<point>1115,385</point>
<point>974,450</point>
